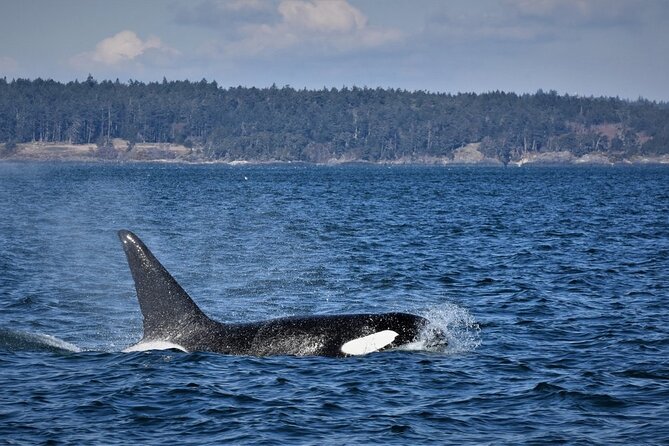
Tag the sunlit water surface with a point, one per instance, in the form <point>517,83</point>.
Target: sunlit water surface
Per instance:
<point>551,284</point>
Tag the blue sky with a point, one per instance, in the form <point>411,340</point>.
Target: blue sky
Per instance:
<point>585,47</point>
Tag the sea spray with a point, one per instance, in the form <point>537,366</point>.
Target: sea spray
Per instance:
<point>451,329</point>
<point>11,340</point>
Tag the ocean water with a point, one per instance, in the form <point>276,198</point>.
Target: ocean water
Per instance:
<point>551,284</point>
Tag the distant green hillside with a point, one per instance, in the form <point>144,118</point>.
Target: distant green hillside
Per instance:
<point>365,124</point>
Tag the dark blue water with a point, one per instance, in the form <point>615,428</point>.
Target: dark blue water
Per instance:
<point>550,282</point>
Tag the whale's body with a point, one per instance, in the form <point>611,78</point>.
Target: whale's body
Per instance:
<point>173,320</point>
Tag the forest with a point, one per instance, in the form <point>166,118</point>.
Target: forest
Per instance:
<point>354,123</point>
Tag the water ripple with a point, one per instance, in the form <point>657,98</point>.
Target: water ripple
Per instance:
<point>549,283</point>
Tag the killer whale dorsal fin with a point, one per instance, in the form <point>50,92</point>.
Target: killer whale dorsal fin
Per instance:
<point>167,309</point>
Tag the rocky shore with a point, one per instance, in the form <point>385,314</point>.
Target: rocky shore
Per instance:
<point>122,151</point>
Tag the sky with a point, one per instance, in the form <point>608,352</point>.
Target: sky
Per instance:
<point>583,47</point>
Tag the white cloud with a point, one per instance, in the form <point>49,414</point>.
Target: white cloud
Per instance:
<point>328,16</point>
<point>8,65</point>
<point>123,48</point>
<point>299,25</point>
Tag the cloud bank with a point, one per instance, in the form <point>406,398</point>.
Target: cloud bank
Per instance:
<point>613,47</point>
<point>250,29</point>
<point>535,21</point>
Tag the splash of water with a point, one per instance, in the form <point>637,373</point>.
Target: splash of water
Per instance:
<point>450,323</point>
<point>24,341</point>
<point>457,324</point>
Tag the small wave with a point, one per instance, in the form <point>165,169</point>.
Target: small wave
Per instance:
<point>450,323</point>
<point>11,340</point>
<point>600,400</point>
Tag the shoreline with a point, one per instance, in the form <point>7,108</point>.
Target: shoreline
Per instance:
<point>164,153</point>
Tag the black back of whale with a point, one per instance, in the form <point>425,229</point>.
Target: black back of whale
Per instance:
<point>170,315</point>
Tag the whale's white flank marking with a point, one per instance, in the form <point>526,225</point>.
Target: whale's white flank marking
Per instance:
<point>154,345</point>
<point>368,344</point>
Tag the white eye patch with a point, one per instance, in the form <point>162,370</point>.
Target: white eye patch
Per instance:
<point>370,343</point>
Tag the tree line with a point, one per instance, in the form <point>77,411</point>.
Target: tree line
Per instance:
<point>283,123</point>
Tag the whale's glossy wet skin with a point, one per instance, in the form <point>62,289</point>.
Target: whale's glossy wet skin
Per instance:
<point>172,319</point>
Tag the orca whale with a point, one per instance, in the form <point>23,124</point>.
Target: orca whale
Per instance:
<point>172,320</point>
